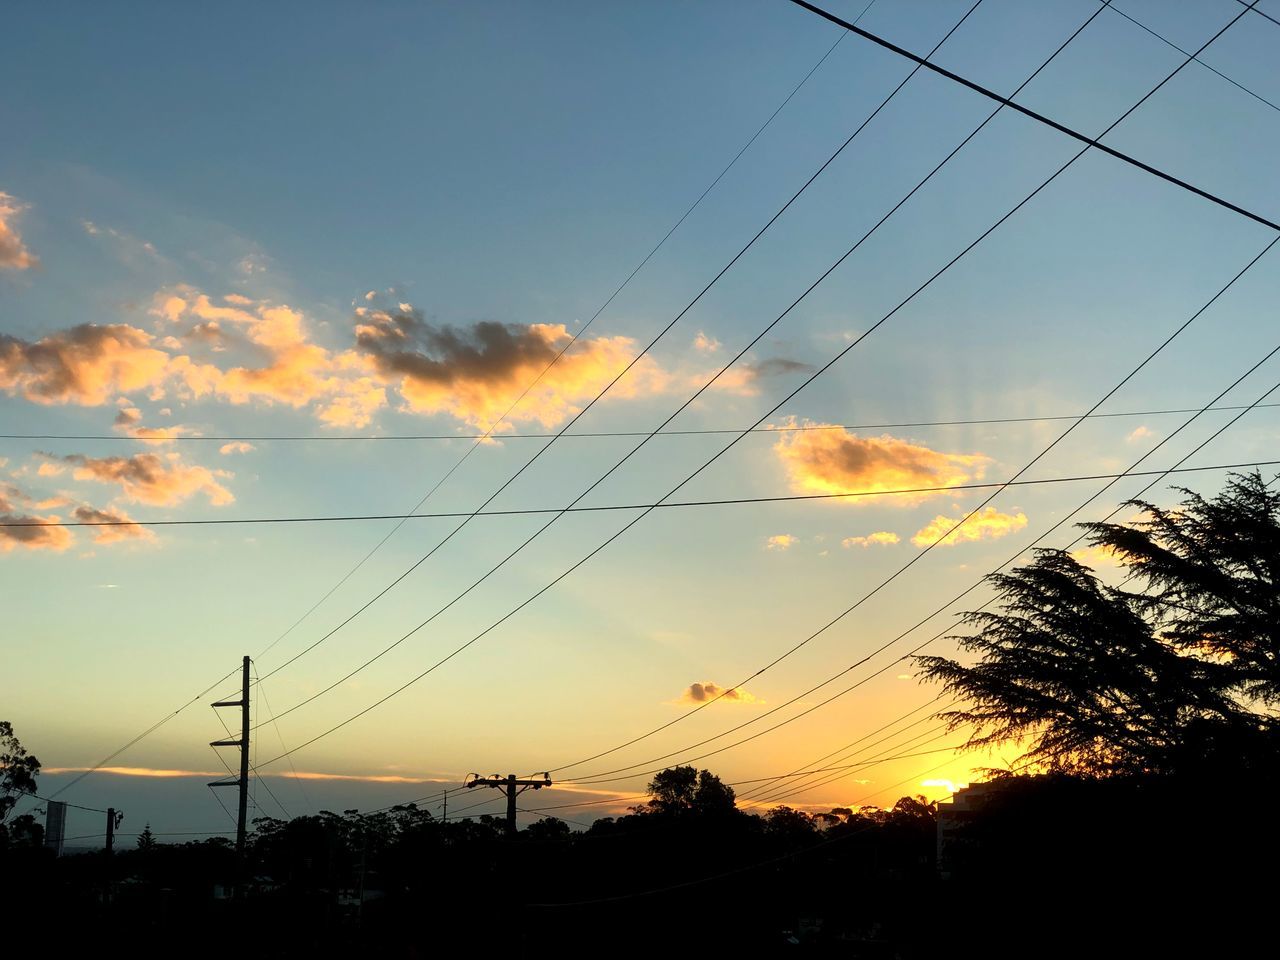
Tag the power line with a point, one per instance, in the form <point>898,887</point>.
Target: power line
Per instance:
<point>662,333</point>
<point>74,806</point>
<point>600,434</point>
<point>927,549</point>
<point>823,844</point>
<point>145,733</point>
<point>785,400</point>
<point>609,508</point>
<point>1047,121</point>
<point>1166,40</point>
<point>1261,13</point>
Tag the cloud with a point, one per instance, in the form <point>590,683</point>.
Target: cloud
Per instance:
<point>475,373</point>
<point>705,344</point>
<point>879,538</point>
<point>744,378</point>
<point>706,691</point>
<point>127,421</point>
<point>86,364</point>
<point>342,385</point>
<point>126,245</point>
<point>236,446</point>
<point>150,478</point>
<point>781,541</point>
<point>121,526</point>
<point>1097,556</point>
<point>14,254</point>
<point>990,524</point>
<point>35,533</point>
<point>1139,434</point>
<point>837,461</point>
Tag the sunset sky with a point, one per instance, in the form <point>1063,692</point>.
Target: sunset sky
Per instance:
<point>335,221</point>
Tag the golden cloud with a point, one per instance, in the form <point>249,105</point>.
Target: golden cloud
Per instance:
<point>86,364</point>
<point>476,373</point>
<point>781,541</point>
<point>342,385</point>
<point>837,461</point>
<point>150,478</point>
<point>706,690</point>
<point>879,538</point>
<point>989,524</point>
<point>1097,556</point>
<point>14,254</point>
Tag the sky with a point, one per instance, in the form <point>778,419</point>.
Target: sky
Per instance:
<point>346,224</point>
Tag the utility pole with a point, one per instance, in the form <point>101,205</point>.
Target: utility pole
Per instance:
<point>512,787</point>
<point>113,821</point>
<point>243,743</point>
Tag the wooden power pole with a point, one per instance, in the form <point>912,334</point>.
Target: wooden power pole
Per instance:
<point>512,787</point>
<point>241,781</point>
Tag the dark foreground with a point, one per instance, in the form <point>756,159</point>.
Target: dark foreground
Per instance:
<point>1046,867</point>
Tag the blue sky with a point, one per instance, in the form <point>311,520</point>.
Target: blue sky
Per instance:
<point>512,163</point>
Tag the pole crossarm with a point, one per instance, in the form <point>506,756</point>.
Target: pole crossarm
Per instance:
<point>242,781</point>
<point>512,786</point>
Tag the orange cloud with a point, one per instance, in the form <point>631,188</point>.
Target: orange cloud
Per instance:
<point>34,533</point>
<point>837,461</point>
<point>150,478</point>
<point>127,421</point>
<point>86,364</point>
<point>14,254</point>
<point>236,446</point>
<point>475,373</point>
<point>706,690</point>
<point>879,538</point>
<point>990,524</point>
<point>781,541</point>
<point>342,385</point>
<point>118,525</point>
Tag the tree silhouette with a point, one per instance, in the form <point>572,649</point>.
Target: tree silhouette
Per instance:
<point>146,839</point>
<point>1098,679</point>
<point>684,790</point>
<point>18,770</point>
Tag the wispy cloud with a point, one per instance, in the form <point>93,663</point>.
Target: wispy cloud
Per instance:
<point>14,254</point>
<point>880,538</point>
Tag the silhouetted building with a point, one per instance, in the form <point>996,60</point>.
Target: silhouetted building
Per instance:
<point>55,826</point>
<point>955,813</point>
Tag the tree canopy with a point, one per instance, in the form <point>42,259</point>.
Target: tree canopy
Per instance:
<point>1177,667</point>
<point>685,790</point>
<point>18,770</point>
